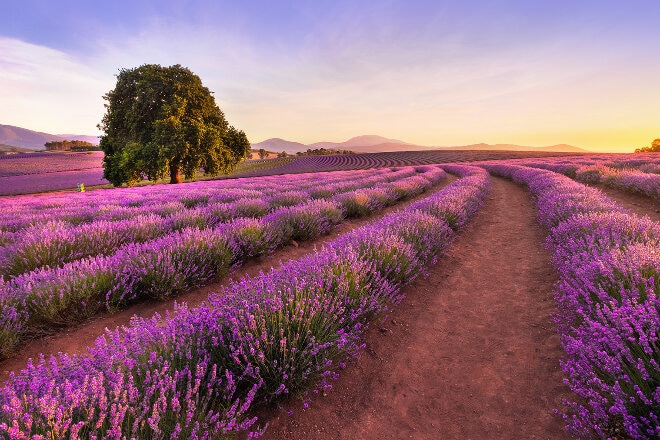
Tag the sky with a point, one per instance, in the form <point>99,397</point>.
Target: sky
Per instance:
<point>437,73</point>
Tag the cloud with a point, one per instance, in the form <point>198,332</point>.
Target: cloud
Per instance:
<point>55,90</point>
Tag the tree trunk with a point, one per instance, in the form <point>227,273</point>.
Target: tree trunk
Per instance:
<point>175,174</point>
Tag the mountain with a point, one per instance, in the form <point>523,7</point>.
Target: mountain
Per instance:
<point>387,147</point>
<point>276,145</point>
<point>368,140</point>
<point>378,144</point>
<point>35,140</point>
<point>363,144</point>
<point>511,147</point>
<point>563,147</point>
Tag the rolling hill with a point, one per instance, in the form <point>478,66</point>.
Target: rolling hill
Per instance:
<point>11,136</point>
<point>34,140</point>
<point>276,145</point>
<point>510,147</point>
<point>379,144</point>
<point>368,140</point>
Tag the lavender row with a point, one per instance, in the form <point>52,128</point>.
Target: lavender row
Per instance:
<point>635,181</point>
<point>201,372</point>
<point>311,164</point>
<point>123,203</point>
<point>56,242</point>
<point>647,162</point>
<point>200,191</point>
<point>52,297</point>
<point>62,180</point>
<point>631,180</point>
<point>609,308</point>
<point>629,173</point>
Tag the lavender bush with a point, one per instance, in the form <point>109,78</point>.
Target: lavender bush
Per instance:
<point>58,276</point>
<point>200,372</point>
<point>633,173</point>
<point>59,241</point>
<point>305,222</point>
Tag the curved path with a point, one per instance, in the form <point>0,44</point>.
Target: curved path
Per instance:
<point>469,354</point>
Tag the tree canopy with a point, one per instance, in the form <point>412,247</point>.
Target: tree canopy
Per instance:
<point>162,121</point>
<point>654,148</point>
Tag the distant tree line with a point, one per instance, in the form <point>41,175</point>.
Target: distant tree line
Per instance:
<point>71,146</point>
<point>263,153</point>
<point>323,152</point>
<point>10,149</point>
<point>654,148</point>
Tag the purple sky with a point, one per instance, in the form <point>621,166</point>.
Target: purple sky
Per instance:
<point>433,73</point>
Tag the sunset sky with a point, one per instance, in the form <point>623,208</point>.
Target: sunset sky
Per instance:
<point>580,72</point>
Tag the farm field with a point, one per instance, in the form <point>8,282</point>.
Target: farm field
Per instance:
<point>77,338</point>
<point>40,172</point>
<point>410,303</point>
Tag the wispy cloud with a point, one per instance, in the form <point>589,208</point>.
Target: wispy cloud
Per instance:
<point>439,74</point>
<point>49,87</point>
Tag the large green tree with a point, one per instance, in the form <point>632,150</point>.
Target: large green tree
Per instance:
<point>162,121</point>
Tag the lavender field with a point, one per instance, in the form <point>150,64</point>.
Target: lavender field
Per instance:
<point>204,372</point>
<point>42,172</point>
<point>45,163</point>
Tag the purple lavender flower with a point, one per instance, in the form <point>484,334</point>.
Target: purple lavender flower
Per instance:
<point>197,373</point>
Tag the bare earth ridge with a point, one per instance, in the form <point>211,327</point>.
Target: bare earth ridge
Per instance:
<point>469,354</point>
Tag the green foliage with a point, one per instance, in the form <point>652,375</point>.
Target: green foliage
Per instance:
<point>67,145</point>
<point>162,121</point>
<point>654,148</point>
<point>323,152</point>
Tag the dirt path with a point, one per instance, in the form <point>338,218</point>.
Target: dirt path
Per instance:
<point>636,203</point>
<point>469,354</point>
<point>77,338</point>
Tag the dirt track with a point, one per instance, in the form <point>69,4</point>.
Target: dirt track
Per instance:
<point>469,354</point>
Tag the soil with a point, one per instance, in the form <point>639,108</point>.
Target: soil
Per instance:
<point>469,354</point>
<point>637,203</point>
<point>76,339</point>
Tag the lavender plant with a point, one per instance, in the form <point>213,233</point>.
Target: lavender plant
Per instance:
<point>200,372</point>
<point>60,276</point>
<point>305,222</point>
